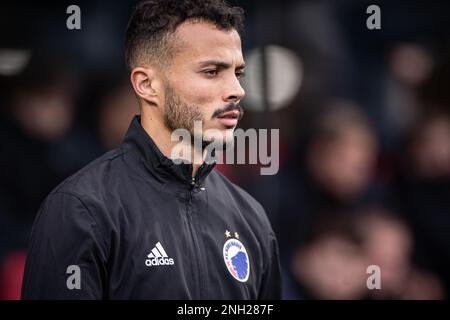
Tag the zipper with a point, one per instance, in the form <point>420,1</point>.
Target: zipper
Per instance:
<point>190,222</point>
<point>197,175</point>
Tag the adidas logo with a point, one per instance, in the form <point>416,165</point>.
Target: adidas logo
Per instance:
<point>158,257</point>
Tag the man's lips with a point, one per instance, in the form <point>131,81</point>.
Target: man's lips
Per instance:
<point>234,114</point>
<point>230,118</point>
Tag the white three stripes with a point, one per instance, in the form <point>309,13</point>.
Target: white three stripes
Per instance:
<point>156,253</point>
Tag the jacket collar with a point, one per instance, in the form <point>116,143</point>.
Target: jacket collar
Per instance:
<point>141,145</point>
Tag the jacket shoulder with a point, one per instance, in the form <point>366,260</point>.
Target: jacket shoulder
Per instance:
<point>91,180</point>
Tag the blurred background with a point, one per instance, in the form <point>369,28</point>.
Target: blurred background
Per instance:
<point>364,120</point>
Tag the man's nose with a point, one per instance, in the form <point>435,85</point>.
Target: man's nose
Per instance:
<point>235,92</point>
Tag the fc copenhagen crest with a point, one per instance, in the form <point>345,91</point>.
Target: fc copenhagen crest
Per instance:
<point>236,259</point>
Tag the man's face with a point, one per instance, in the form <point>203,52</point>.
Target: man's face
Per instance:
<point>203,81</point>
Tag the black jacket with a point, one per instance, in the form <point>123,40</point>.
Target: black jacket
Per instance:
<point>140,227</point>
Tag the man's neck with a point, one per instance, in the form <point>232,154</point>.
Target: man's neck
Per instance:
<point>161,136</point>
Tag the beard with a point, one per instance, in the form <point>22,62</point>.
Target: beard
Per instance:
<point>180,115</point>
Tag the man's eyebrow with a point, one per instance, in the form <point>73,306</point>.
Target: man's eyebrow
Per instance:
<point>219,64</point>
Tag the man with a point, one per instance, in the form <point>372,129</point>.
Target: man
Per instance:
<point>135,224</point>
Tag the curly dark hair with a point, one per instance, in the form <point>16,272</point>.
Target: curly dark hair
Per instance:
<point>154,22</point>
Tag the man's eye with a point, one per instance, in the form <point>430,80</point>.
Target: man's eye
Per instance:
<point>211,73</point>
<point>240,75</point>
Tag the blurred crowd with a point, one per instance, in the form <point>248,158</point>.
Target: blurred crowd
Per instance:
<point>342,203</point>
<point>364,175</point>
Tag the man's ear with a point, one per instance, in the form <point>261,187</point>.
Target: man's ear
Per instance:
<point>147,85</point>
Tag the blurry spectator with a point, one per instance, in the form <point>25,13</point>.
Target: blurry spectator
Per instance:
<point>332,264</point>
<point>423,188</point>
<point>334,173</point>
<point>409,65</point>
<point>430,147</point>
<point>108,104</point>
<point>40,145</point>
<point>342,152</point>
<point>116,109</point>
<point>388,243</point>
<point>39,100</point>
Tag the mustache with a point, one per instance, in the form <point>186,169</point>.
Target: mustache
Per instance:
<point>228,108</point>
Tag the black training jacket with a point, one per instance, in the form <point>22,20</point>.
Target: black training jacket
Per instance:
<point>134,225</point>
